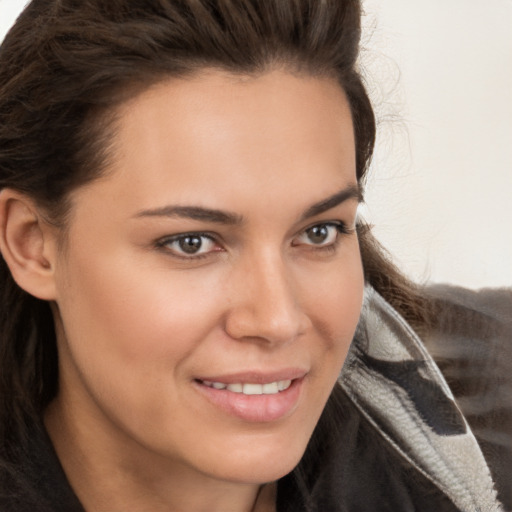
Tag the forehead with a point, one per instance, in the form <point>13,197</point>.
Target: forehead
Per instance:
<point>215,134</point>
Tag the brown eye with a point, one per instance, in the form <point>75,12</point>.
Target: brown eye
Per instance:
<point>318,234</point>
<point>189,245</point>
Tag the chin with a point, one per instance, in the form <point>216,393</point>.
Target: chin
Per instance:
<point>263,462</point>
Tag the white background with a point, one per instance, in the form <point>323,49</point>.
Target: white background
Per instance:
<point>440,194</point>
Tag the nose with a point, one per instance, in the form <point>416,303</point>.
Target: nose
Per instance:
<point>265,303</point>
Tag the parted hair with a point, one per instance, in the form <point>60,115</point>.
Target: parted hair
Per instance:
<point>64,68</point>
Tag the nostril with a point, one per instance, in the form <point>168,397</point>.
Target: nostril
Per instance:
<point>253,325</point>
<point>266,307</point>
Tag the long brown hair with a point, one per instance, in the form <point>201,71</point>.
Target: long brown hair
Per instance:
<point>66,65</point>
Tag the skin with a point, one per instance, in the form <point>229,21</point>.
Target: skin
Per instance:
<point>138,320</point>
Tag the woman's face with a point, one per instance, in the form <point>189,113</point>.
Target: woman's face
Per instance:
<point>211,282</point>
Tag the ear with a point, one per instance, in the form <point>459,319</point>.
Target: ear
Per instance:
<point>28,244</point>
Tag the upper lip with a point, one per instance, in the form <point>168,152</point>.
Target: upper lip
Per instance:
<point>256,377</point>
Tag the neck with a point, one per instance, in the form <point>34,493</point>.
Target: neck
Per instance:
<point>125,476</point>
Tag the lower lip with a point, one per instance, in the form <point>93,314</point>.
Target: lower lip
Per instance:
<point>255,408</point>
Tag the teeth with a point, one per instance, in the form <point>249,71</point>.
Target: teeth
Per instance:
<point>270,388</point>
<point>253,389</point>
<point>283,384</point>
<point>236,388</point>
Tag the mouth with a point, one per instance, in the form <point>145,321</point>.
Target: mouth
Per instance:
<point>254,398</point>
<point>247,388</point>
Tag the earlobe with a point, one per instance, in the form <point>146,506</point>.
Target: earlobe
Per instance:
<point>27,244</point>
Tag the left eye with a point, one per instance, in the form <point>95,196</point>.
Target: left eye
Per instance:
<point>192,244</point>
<point>320,235</point>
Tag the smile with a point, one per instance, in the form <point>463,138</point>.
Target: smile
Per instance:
<point>263,401</point>
<point>270,388</point>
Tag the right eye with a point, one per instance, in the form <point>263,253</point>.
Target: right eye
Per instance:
<point>189,245</point>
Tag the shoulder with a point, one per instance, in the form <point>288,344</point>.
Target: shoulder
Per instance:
<point>471,342</point>
<point>460,310</point>
<point>394,378</point>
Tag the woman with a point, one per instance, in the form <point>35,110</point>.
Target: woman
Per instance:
<point>184,273</point>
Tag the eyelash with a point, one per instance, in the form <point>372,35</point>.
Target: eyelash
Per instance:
<point>341,229</point>
<point>164,243</point>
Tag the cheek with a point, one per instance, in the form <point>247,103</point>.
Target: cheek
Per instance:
<point>336,298</point>
<point>334,306</point>
<point>137,314</point>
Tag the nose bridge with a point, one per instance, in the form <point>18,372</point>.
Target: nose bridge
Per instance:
<point>265,303</point>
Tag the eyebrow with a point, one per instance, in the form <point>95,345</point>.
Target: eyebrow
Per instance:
<point>223,217</point>
<point>194,213</point>
<point>350,192</point>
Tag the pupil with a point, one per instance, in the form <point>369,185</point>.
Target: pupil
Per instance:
<point>190,244</point>
<point>318,234</point>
